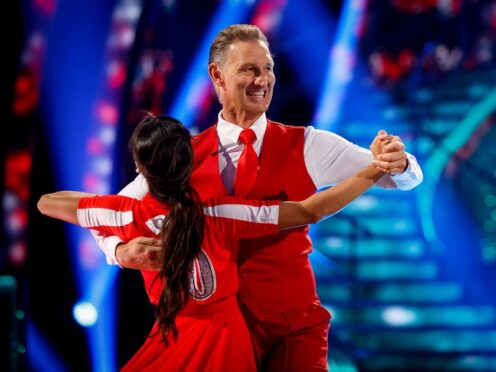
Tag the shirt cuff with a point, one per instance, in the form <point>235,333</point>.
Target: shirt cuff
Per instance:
<point>111,244</point>
<point>108,245</point>
<point>411,177</point>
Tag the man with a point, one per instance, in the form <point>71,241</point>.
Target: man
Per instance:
<point>277,287</point>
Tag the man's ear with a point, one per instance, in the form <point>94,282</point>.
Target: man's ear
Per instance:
<point>215,73</point>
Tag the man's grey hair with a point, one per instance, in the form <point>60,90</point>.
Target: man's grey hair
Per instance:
<point>241,32</point>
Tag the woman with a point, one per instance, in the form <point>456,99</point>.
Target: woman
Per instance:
<point>199,326</point>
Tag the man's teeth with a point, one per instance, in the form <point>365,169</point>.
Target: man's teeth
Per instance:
<point>257,94</point>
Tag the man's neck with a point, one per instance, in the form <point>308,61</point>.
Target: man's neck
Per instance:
<point>240,120</point>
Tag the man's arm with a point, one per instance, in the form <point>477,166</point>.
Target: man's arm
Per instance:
<point>330,159</point>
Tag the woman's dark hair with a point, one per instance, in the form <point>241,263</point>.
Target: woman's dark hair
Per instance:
<point>161,147</point>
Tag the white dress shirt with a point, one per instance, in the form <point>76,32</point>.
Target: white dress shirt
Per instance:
<point>329,159</point>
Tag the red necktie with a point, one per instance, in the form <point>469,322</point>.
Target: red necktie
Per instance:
<point>246,172</point>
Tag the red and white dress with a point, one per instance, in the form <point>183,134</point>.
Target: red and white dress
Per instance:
<point>212,332</point>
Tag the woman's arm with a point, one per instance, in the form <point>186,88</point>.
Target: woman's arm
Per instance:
<point>62,205</point>
<point>330,201</point>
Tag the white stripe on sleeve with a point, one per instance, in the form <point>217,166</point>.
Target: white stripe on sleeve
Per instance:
<point>268,214</point>
<point>92,217</point>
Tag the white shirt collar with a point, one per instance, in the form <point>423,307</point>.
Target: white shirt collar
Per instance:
<point>229,133</point>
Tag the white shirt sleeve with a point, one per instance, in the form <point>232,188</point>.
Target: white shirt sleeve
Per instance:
<point>136,189</point>
<point>331,158</point>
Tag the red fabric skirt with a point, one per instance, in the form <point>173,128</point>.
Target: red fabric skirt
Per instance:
<point>211,338</point>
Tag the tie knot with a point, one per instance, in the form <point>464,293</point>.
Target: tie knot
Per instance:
<point>247,136</point>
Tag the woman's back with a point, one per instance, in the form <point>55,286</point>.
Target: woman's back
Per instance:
<point>227,219</point>
<point>211,317</point>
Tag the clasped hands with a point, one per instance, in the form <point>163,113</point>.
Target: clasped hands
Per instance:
<point>389,153</point>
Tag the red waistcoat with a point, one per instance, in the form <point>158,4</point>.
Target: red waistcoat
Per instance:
<point>275,273</point>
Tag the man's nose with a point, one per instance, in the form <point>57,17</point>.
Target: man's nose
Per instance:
<point>261,80</point>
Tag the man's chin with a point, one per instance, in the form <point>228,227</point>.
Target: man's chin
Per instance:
<point>259,107</point>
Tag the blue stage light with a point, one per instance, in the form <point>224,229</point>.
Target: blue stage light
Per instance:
<point>187,103</point>
<point>341,64</point>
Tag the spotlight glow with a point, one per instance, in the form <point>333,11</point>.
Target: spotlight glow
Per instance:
<point>398,316</point>
<point>85,314</point>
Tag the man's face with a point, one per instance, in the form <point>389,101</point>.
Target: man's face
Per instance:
<point>247,81</point>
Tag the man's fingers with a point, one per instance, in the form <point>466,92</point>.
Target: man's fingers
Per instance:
<point>392,156</point>
<point>146,241</point>
<point>382,134</point>
<point>394,146</point>
<point>390,167</point>
<point>375,147</point>
<point>141,253</point>
<point>148,259</point>
<point>390,164</point>
<point>390,171</point>
<point>154,242</point>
